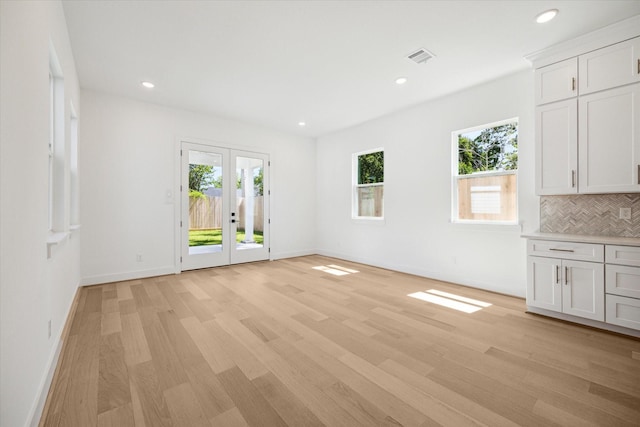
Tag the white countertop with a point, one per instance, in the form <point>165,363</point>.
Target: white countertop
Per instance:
<point>605,240</point>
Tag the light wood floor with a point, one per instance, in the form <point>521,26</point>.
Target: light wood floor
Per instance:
<point>282,344</point>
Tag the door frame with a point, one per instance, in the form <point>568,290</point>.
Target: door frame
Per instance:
<point>176,195</point>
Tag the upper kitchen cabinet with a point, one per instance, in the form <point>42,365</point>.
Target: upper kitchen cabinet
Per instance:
<point>587,94</point>
<point>557,82</point>
<point>609,141</point>
<point>557,147</point>
<point>609,67</point>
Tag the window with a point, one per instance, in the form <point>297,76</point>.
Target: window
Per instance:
<point>368,184</point>
<point>56,145</point>
<point>52,103</point>
<point>485,167</point>
<point>74,205</point>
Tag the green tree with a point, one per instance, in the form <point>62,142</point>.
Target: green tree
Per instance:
<point>466,155</point>
<point>200,177</point>
<point>494,148</point>
<point>371,168</point>
<point>258,182</point>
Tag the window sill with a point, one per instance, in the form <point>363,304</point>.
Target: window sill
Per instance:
<point>368,220</point>
<point>55,238</point>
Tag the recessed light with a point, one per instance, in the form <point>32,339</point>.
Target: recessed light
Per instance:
<point>148,85</point>
<point>401,80</point>
<point>546,16</point>
<point>302,124</point>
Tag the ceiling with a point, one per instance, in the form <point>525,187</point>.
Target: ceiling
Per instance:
<point>331,64</point>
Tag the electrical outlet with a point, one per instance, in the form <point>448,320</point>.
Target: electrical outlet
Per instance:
<point>625,213</point>
<point>139,257</point>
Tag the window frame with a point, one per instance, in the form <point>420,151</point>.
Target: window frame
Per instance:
<point>51,151</point>
<point>355,186</point>
<point>57,154</point>
<point>456,177</point>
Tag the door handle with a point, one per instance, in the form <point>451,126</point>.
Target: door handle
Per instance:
<point>233,221</point>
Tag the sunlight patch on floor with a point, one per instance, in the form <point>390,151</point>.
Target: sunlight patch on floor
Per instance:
<point>445,299</point>
<point>459,298</point>
<point>336,270</point>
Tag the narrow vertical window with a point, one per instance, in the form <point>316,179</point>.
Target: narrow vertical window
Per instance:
<point>74,208</point>
<point>485,173</point>
<point>368,184</point>
<point>52,131</point>
<point>56,146</point>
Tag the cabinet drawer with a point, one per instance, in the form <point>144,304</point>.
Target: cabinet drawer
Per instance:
<point>623,255</point>
<point>566,250</point>
<point>623,311</point>
<point>623,280</point>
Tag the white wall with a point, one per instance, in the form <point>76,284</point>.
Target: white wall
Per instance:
<point>128,162</point>
<point>33,288</point>
<point>417,235</point>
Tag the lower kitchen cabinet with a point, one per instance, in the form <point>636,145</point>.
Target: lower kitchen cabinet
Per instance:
<point>566,286</point>
<point>597,284</point>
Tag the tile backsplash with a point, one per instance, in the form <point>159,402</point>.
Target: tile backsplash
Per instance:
<point>592,214</point>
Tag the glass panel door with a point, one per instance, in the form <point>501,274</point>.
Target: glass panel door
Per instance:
<point>205,233</point>
<point>250,219</point>
<point>225,206</point>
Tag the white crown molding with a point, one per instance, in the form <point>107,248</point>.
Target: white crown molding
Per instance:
<point>614,33</point>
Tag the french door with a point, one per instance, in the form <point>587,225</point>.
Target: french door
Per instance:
<point>225,206</point>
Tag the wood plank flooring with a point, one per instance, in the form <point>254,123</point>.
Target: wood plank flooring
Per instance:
<point>282,344</point>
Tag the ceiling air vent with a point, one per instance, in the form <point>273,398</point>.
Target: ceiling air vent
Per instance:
<point>420,56</point>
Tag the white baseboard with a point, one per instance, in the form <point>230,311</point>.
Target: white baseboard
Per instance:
<point>43,390</point>
<point>283,255</point>
<point>130,275</point>
<point>35,414</point>
<point>416,271</point>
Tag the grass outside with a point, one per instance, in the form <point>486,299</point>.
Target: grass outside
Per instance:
<point>214,237</point>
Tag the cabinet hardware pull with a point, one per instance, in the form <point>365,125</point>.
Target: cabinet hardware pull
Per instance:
<point>638,174</point>
<point>566,275</point>
<point>638,65</point>
<point>573,178</point>
<point>557,274</point>
<point>561,250</point>
<point>573,83</point>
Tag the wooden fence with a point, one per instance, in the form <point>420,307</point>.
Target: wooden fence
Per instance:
<point>370,201</point>
<point>487,197</point>
<point>206,212</point>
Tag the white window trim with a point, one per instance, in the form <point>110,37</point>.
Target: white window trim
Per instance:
<point>455,178</point>
<point>57,229</point>
<point>72,170</point>
<point>354,190</point>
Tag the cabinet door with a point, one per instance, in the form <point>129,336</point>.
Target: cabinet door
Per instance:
<point>610,67</point>
<point>583,289</point>
<point>557,148</point>
<point>543,283</point>
<point>609,141</point>
<point>556,82</point>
